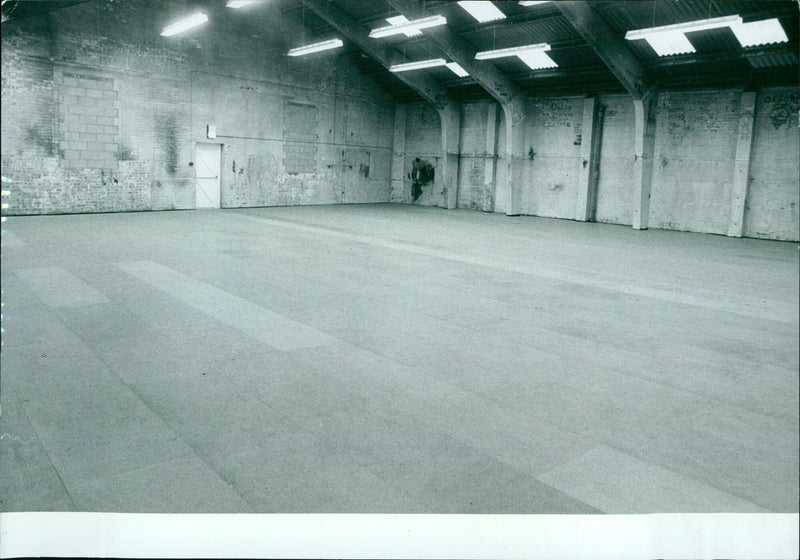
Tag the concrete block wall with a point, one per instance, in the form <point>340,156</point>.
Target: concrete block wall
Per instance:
<point>552,156</point>
<point>699,151</point>
<point>477,160</point>
<point>693,160</point>
<point>615,183</point>
<point>772,207</point>
<point>105,117</point>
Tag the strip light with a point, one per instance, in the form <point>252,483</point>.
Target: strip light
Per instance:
<point>418,65</point>
<point>537,60</point>
<point>482,11</point>
<point>533,55</point>
<point>397,20</point>
<point>184,24</point>
<point>761,32</point>
<point>236,4</point>
<point>533,2</point>
<point>669,40</point>
<point>316,47</point>
<point>457,69</point>
<point>511,51</point>
<point>413,25</point>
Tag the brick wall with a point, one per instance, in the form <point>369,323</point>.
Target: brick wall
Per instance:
<point>105,117</point>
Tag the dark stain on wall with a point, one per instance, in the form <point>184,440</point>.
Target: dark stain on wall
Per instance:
<point>363,170</point>
<point>43,140</point>
<point>422,174</point>
<point>168,130</point>
<point>783,106</point>
<point>124,153</point>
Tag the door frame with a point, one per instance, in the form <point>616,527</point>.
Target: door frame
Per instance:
<point>220,146</point>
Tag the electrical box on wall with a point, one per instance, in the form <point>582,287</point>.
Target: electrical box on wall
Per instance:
<point>211,131</point>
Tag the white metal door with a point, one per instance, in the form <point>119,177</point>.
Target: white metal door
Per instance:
<point>207,171</point>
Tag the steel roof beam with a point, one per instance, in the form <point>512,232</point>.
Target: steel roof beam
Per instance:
<point>608,45</point>
<point>430,89</point>
<point>499,86</point>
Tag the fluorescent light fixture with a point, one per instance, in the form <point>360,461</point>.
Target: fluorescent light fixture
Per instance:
<point>537,60</point>
<point>533,2</point>
<point>413,25</point>
<point>418,65</point>
<point>457,69</point>
<point>698,25</point>
<point>397,20</point>
<point>184,24</point>
<point>512,51</point>
<point>482,11</point>
<point>762,32</point>
<point>534,56</point>
<point>670,43</point>
<point>235,4</point>
<point>670,40</point>
<point>316,47</point>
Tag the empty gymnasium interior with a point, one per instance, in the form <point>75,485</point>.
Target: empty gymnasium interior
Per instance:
<point>395,256</point>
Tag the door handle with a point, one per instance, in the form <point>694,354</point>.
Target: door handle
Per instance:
<point>209,177</point>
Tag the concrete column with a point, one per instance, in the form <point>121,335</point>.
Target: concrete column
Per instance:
<point>398,193</point>
<point>450,117</point>
<point>741,169</point>
<point>644,147</point>
<point>515,136</point>
<point>587,171</point>
<point>490,169</point>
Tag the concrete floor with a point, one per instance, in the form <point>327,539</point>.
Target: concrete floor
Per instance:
<point>388,358</point>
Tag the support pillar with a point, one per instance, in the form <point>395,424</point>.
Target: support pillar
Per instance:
<point>515,136</point>
<point>589,161</point>
<point>644,147</point>
<point>490,168</point>
<point>741,169</point>
<point>398,193</point>
<point>450,117</point>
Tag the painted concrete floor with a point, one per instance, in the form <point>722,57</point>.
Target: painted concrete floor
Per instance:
<point>388,358</point>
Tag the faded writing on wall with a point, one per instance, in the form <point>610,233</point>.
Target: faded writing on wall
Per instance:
<point>781,107</point>
<point>555,113</point>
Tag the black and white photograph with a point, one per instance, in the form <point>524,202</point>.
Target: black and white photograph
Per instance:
<point>488,278</point>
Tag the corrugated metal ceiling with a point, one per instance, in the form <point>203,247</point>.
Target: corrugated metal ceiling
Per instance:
<point>719,59</point>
